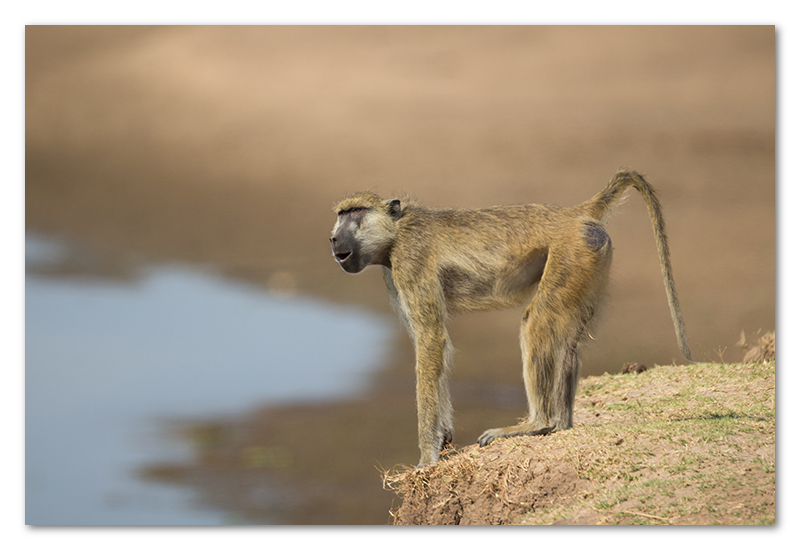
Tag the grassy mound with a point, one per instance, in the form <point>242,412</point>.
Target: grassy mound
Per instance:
<point>691,444</point>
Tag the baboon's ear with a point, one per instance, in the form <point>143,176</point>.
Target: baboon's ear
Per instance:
<point>394,208</point>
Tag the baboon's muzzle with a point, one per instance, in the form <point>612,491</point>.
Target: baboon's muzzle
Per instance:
<point>345,254</point>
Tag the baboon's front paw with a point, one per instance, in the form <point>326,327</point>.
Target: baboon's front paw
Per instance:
<point>428,457</point>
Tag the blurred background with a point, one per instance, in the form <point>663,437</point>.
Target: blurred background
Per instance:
<point>193,353</point>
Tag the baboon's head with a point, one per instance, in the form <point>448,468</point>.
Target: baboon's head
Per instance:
<point>364,232</point>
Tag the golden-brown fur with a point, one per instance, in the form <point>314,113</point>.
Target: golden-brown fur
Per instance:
<point>440,262</point>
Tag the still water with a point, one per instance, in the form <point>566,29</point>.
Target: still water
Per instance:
<point>108,360</point>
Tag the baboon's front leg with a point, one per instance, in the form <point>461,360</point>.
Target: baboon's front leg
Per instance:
<point>434,412</point>
<point>423,310</point>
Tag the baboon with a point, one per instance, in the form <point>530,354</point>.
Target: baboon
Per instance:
<point>440,262</point>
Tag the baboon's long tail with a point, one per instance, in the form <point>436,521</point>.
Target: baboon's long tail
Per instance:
<point>601,204</point>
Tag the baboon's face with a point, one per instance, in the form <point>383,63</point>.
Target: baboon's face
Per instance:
<point>363,234</point>
<point>345,242</point>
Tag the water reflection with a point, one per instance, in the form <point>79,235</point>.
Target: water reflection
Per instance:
<point>107,357</point>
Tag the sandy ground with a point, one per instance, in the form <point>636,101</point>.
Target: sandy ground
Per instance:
<point>227,146</point>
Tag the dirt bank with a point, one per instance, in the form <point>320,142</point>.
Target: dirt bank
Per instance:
<point>672,445</point>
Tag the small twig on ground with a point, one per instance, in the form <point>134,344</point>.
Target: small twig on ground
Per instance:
<point>645,515</point>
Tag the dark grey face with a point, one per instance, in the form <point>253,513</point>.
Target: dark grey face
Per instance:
<point>344,245</point>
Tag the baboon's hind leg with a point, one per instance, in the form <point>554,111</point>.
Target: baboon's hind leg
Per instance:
<point>553,327</point>
<point>550,368</point>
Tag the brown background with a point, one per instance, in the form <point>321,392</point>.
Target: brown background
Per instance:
<point>227,147</point>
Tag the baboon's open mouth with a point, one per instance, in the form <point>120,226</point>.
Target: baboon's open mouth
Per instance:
<point>342,256</point>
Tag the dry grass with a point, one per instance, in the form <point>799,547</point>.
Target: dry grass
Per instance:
<point>763,350</point>
<point>673,445</point>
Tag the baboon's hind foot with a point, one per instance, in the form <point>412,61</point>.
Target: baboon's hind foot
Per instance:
<point>511,431</point>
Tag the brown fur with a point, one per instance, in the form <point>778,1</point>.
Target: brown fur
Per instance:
<point>440,262</point>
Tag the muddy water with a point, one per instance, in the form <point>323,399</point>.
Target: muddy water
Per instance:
<point>114,349</point>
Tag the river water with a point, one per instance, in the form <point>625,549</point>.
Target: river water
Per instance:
<point>109,360</point>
